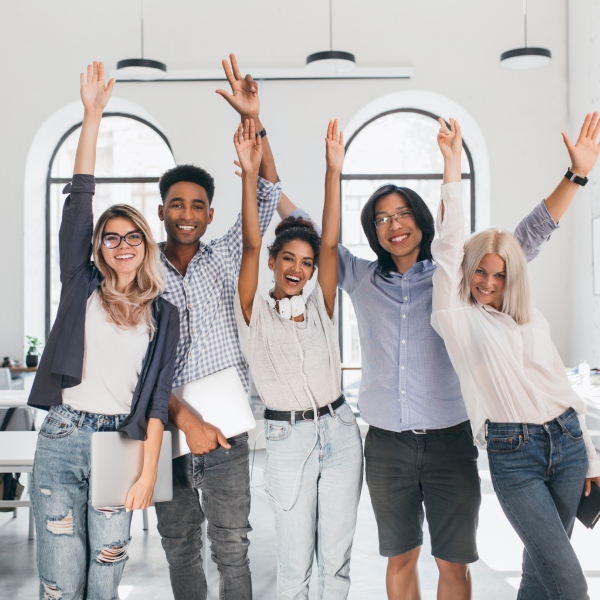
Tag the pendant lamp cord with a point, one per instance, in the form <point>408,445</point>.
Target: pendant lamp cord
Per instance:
<point>142,24</point>
<point>525,20</point>
<point>330,25</point>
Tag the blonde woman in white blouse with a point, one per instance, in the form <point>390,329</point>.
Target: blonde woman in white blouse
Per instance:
<point>518,398</point>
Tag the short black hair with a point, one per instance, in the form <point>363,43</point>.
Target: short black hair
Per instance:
<point>421,214</point>
<point>190,173</point>
<point>296,228</point>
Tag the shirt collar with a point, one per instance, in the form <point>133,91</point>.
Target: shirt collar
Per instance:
<point>420,267</point>
<point>202,249</point>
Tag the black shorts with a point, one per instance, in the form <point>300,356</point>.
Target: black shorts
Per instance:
<point>406,470</point>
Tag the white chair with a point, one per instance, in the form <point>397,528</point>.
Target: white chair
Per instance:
<point>5,379</point>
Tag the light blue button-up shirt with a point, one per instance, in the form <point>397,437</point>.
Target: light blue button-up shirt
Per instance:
<point>408,381</point>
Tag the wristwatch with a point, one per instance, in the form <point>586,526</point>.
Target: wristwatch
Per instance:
<point>574,178</point>
<point>262,132</point>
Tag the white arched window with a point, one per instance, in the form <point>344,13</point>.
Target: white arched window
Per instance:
<point>132,154</point>
<point>399,147</point>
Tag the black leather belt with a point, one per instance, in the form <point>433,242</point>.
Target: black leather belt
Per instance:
<point>302,415</point>
<point>454,430</point>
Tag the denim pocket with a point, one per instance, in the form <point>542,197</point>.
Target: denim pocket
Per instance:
<point>345,415</point>
<point>505,444</point>
<point>56,427</point>
<point>573,429</point>
<point>276,431</point>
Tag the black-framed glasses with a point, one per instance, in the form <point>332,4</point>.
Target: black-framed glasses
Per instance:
<point>113,240</point>
<point>402,215</point>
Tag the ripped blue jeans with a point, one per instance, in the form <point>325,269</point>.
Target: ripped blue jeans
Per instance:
<point>81,551</point>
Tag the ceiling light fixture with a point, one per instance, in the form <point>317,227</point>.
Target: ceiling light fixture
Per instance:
<point>141,69</point>
<point>331,61</point>
<point>525,58</point>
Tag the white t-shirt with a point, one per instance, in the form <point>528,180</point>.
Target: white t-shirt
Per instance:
<point>508,373</point>
<point>279,350</point>
<point>112,362</point>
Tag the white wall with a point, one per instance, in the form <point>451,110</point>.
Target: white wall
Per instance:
<point>454,48</point>
<point>584,72</point>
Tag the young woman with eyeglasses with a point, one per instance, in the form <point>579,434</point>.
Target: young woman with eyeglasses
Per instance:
<point>519,400</point>
<point>107,366</point>
<point>314,452</point>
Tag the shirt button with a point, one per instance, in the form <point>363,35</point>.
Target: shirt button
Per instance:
<point>404,316</point>
<point>402,367</point>
<point>193,331</point>
<point>406,297</point>
<point>404,341</point>
<point>403,392</point>
<point>190,306</point>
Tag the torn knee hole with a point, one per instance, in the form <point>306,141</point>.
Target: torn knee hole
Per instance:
<point>109,511</point>
<point>51,591</point>
<point>113,554</point>
<point>45,492</point>
<point>62,525</point>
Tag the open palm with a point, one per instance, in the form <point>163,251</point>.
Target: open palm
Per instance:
<point>584,152</point>
<point>334,147</point>
<point>94,93</point>
<point>248,146</point>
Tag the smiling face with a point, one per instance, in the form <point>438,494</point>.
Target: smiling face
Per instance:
<point>186,213</point>
<point>400,237</point>
<point>488,281</point>
<point>292,267</point>
<point>125,260</point>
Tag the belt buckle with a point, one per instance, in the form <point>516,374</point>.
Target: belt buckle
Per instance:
<point>419,431</point>
<point>308,410</point>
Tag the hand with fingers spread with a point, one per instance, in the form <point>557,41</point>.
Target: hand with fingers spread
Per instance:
<point>248,147</point>
<point>334,147</point>
<point>244,98</point>
<point>95,94</point>
<point>585,151</point>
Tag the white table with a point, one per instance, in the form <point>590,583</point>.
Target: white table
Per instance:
<point>17,450</point>
<point>13,398</point>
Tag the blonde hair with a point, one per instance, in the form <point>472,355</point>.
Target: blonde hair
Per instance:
<point>134,305</point>
<point>516,300</point>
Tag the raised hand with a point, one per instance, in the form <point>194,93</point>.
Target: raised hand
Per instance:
<point>334,147</point>
<point>248,146</point>
<point>245,90</point>
<point>450,140</point>
<point>585,151</point>
<point>94,93</point>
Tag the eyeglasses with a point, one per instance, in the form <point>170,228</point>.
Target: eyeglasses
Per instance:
<point>403,215</point>
<point>113,240</point>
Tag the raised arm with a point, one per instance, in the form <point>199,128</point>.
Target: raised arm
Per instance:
<point>245,101</point>
<point>249,150</point>
<point>94,95</point>
<point>327,275</point>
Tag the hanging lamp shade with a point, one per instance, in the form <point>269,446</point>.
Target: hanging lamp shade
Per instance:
<point>526,58</point>
<point>331,61</point>
<point>142,69</point>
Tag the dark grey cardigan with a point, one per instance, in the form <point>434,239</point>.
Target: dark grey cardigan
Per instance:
<point>61,364</point>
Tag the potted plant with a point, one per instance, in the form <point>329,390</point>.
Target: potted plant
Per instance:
<point>33,351</point>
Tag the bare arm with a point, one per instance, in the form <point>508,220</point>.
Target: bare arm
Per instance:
<point>95,96</point>
<point>246,102</point>
<point>327,276</point>
<point>140,493</point>
<point>583,156</point>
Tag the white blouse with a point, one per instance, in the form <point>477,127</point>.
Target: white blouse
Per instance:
<point>508,373</point>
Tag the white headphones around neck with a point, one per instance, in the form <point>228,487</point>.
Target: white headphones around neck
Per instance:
<point>288,308</point>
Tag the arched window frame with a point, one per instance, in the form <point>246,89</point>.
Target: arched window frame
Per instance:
<point>50,180</point>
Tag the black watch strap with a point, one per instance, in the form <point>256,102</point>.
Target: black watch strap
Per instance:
<point>262,132</point>
<point>575,178</point>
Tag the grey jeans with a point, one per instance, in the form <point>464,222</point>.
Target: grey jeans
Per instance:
<point>224,479</point>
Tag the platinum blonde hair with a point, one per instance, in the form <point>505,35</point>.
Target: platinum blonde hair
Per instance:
<point>516,300</point>
<point>134,305</point>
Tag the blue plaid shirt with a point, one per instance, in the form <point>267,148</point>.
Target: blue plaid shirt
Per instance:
<point>208,339</point>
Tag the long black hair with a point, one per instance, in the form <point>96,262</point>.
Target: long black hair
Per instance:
<point>295,228</point>
<point>421,214</point>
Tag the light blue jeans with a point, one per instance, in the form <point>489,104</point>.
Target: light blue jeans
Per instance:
<point>317,470</point>
<point>81,551</point>
<point>538,472</point>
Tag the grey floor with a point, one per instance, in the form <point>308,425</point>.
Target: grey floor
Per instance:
<point>495,575</point>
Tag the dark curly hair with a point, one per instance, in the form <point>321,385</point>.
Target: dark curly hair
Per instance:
<point>421,214</point>
<point>295,228</point>
<point>190,173</point>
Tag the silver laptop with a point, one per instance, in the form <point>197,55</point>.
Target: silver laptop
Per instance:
<point>117,462</point>
<point>220,399</point>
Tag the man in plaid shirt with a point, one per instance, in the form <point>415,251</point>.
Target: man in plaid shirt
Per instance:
<point>201,280</point>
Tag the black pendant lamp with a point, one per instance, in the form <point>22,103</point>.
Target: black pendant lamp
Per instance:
<point>331,61</point>
<point>526,57</point>
<point>141,69</point>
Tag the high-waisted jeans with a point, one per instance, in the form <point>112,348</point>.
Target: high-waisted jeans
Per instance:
<point>323,494</point>
<point>538,472</point>
<point>81,551</point>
